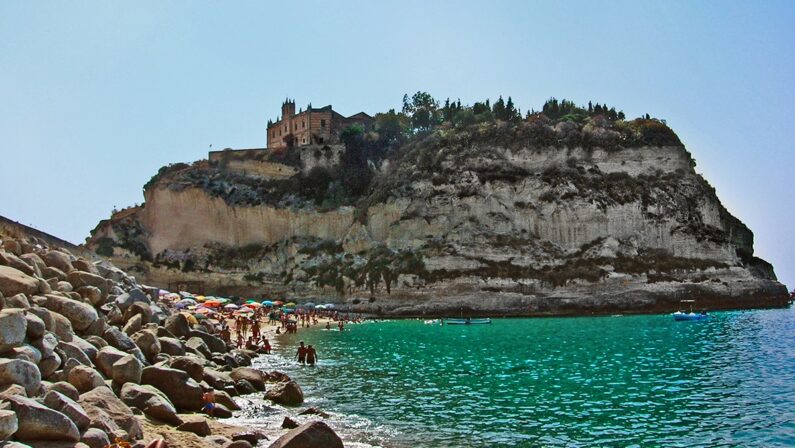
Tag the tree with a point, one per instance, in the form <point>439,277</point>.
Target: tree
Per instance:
<point>422,109</point>
<point>391,126</point>
<point>354,173</point>
<point>499,109</point>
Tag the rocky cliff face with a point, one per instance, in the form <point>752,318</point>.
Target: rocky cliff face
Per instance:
<point>536,217</point>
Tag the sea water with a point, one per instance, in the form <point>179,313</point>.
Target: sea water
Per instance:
<point>590,381</point>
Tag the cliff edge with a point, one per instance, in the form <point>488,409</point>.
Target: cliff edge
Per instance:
<point>570,211</point>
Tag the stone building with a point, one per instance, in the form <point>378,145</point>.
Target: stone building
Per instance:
<point>313,126</point>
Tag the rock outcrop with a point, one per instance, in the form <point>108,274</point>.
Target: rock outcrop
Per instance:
<point>593,215</point>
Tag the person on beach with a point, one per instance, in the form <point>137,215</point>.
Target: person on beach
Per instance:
<point>301,353</point>
<point>341,325</point>
<point>239,340</point>
<point>255,329</point>
<point>266,346</point>
<point>209,402</point>
<point>311,355</point>
<point>328,325</point>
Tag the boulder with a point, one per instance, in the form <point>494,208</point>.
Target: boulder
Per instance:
<point>26,352</point>
<point>33,259</point>
<point>142,309</point>
<point>147,342</point>
<point>127,370</point>
<point>63,327</point>
<point>214,343</point>
<point>197,345</point>
<point>66,389</point>
<point>253,376</point>
<point>85,379</point>
<point>80,314</point>
<point>12,389</point>
<point>102,421</point>
<point>314,411</point>
<point>125,300</point>
<point>13,328</point>
<point>8,424</point>
<point>177,324</point>
<point>46,344</point>
<point>103,398</point>
<point>35,327</point>
<point>91,294</point>
<point>151,401</point>
<point>59,260</point>
<point>252,437</point>
<point>118,339</point>
<point>171,346</point>
<point>287,394</point>
<point>63,286</point>
<point>13,281</point>
<point>12,246</point>
<point>289,423</point>
<point>68,407</point>
<point>133,325</point>
<point>106,357</point>
<point>243,387</point>
<point>177,385</point>
<point>17,301</point>
<point>218,380</point>
<point>97,328</point>
<point>225,399</point>
<point>51,272</point>
<point>72,351</point>
<point>86,347</point>
<point>97,342</point>
<point>44,315</point>
<point>81,264</point>
<point>24,373</point>
<point>15,262</point>
<point>189,364</point>
<point>95,438</point>
<point>278,377</point>
<point>37,422</point>
<point>49,365</point>
<point>309,435</point>
<point>196,425</point>
<point>221,411</point>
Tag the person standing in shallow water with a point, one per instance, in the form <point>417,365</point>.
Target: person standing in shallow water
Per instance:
<point>301,353</point>
<point>311,355</point>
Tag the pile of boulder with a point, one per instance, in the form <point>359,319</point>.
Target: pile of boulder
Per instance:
<point>86,353</point>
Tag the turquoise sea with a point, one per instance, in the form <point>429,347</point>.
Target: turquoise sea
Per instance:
<point>590,381</point>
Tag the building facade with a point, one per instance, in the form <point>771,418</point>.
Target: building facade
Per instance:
<point>313,126</point>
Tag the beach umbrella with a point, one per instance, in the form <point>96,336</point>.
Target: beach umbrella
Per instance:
<point>252,305</point>
<point>231,306</point>
<point>205,311</point>
<point>329,305</point>
<point>222,300</point>
<point>251,301</point>
<point>200,298</point>
<point>290,304</point>
<point>212,303</point>
<point>191,318</point>
<point>199,316</point>
<point>188,302</point>
<point>267,303</point>
<point>288,310</point>
<point>320,307</point>
<point>309,305</point>
<point>278,302</point>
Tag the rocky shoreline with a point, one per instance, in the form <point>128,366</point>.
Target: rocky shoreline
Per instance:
<point>89,357</point>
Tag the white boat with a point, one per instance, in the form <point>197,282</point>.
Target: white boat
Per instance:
<point>691,316</point>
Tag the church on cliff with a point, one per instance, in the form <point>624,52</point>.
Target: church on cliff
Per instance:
<point>313,126</point>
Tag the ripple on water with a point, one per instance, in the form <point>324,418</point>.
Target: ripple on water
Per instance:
<point>629,381</point>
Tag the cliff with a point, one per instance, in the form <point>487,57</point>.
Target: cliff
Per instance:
<point>525,217</point>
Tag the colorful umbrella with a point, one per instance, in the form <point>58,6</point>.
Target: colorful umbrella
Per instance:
<point>309,305</point>
<point>278,302</point>
<point>212,303</point>
<point>267,303</point>
<point>288,310</point>
<point>252,305</point>
<point>231,306</point>
<point>290,304</point>
<point>329,305</point>
<point>191,318</point>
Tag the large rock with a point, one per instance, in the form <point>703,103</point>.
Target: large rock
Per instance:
<point>24,373</point>
<point>118,339</point>
<point>127,370</point>
<point>73,351</point>
<point>287,394</point>
<point>253,376</point>
<point>106,357</point>
<point>177,385</point>
<point>33,259</point>
<point>196,425</point>
<point>26,352</point>
<point>86,347</point>
<point>66,389</point>
<point>103,398</point>
<point>17,301</point>
<point>45,316</point>
<point>151,401</point>
<point>189,364</point>
<point>214,343</point>
<point>37,422</point>
<point>81,264</point>
<point>68,407</point>
<point>78,279</point>
<point>125,300</point>
<point>142,309</point>
<point>13,281</point>
<point>53,272</point>
<point>13,327</point>
<point>171,346</point>
<point>225,399</point>
<point>8,424</point>
<point>95,438</point>
<point>80,314</point>
<point>178,325</point>
<point>147,341</point>
<point>309,435</point>
<point>218,380</point>
<point>49,365</point>
<point>63,326</point>
<point>15,262</point>
<point>59,260</point>
<point>197,345</point>
<point>85,379</point>
<point>92,294</point>
<point>35,327</point>
<point>133,325</point>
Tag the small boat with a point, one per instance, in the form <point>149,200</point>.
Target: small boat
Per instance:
<point>467,321</point>
<point>679,316</point>
<point>691,316</point>
<point>432,322</point>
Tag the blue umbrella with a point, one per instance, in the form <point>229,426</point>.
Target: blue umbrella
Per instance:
<point>309,305</point>
<point>267,303</point>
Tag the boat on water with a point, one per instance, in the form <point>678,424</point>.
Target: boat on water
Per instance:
<point>467,321</point>
<point>691,316</point>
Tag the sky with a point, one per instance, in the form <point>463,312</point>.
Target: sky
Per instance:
<point>96,96</point>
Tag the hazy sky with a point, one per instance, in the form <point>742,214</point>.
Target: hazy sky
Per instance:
<point>96,96</point>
